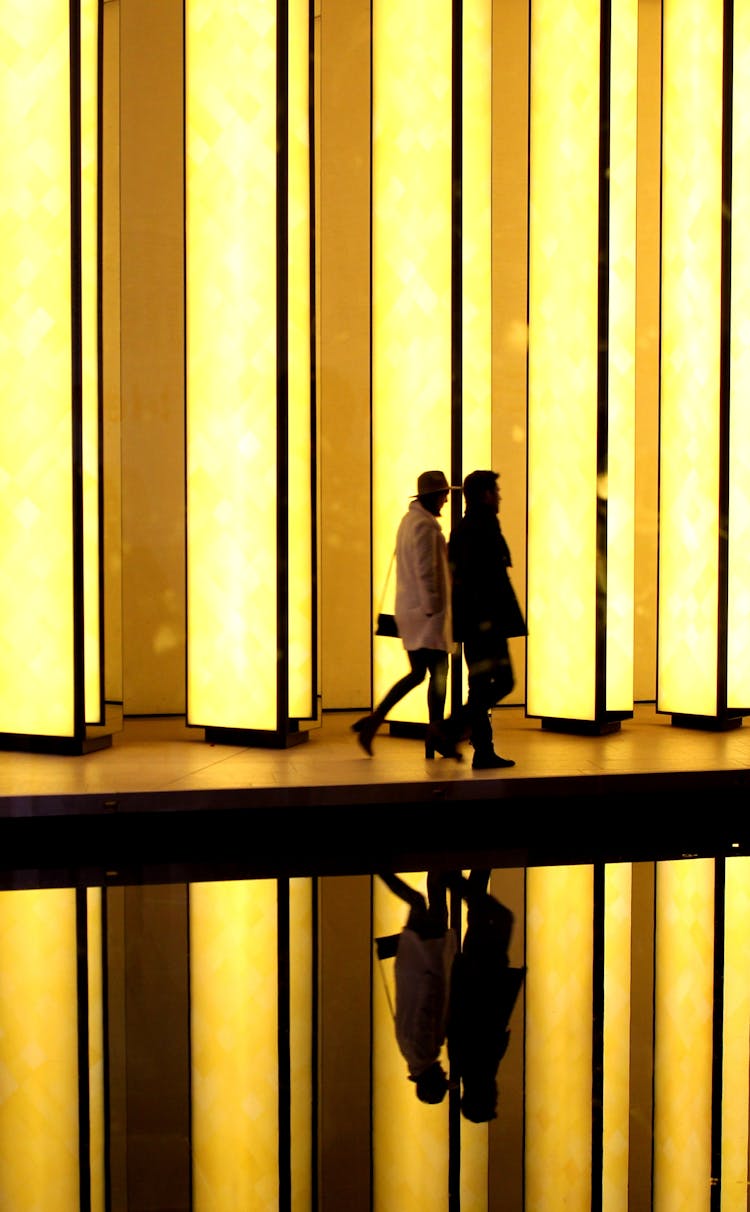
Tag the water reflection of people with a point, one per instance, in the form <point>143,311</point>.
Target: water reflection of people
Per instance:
<point>483,992</point>
<point>425,952</point>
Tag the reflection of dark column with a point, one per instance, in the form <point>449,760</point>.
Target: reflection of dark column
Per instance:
<point>597,1042</point>
<point>84,1093</point>
<point>718,1032</point>
<point>454,1093</point>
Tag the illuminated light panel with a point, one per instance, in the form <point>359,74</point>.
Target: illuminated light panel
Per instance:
<point>301,1039</point>
<point>411,282</point>
<point>231,290</point>
<point>37,658</point>
<point>558,992</point>
<point>94,704</point>
<point>735,1098</point>
<point>300,370</point>
<point>234,1045</point>
<point>738,611</point>
<point>562,413</point>
<point>417,1176</point>
<point>683,1032</point>
<point>621,357</point>
<point>690,357</point>
<point>563,352</point>
<point>617,954</point>
<point>97,1114</point>
<point>39,1051</point>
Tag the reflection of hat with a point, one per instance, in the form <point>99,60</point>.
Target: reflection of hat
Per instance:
<point>433,481</point>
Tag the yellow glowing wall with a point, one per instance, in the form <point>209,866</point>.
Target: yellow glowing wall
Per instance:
<point>36,472</point>
<point>683,1034</point>
<point>559,949</point>
<point>690,356</point>
<point>39,1052</point>
<point>234,383</point>
<point>563,420</point>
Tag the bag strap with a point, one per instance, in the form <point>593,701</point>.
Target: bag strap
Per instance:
<point>387,579</point>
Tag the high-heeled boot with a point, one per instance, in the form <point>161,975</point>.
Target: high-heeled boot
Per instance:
<point>365,729</point>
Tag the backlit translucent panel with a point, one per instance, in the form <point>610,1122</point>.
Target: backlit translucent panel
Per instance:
<point>562,393</point>
<point>735,1097</point>
<point>411,280</point>
<point>558,991</point>
<point>476,198</point>
<point>690,356</point>
<point>90,353</point>
<point>300,421</point>
<point>234,1045</point>
<point>301,1039</point>
<point>38,1052</point>
<point>738,633</point>
<point>97,1143</point>
<point>620,488</point>
<point>231,363</point>
<point>617,902</point>
<point>36,531</point>
<point>683,1034</point>
<point>404,1178</point>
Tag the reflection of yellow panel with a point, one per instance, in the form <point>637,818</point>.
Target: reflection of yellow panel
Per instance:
<point>683,1033</point>
<point>411,278</point>
<point>38,1052</point>
<point>97,1142</point>
<point>558,990</point>
<point>620,488</point>
<point>735,1097</point>
<point>36,534</point>
<point>234,1045</point>
<point>300,433</point>
<point>301,1040</point>
<point>403,1177</point>
<point>90,351</point>
<point>690,356</point>
<point>562,390</point>
<point>617,900</point>
<point>738,636</point>
<point>231,363</point>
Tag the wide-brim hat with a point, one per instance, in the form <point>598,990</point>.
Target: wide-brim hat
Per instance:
<point>433,481</point>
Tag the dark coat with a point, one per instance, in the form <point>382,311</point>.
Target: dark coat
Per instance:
<point>484,602</point>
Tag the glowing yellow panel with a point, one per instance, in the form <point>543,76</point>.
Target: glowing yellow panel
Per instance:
<point>97,1141</point>
<point>300,423</point>
<point>90,353</point>
<point>616,1135</point>
<point>38,1052</point>
<point>417,1176</point>
<point>738,640</point>
<point>476,249</point>
<point>562,387</point>
<point>690,356</point>
<point>558,989</point>
<point>683,1033</point>
<point>36,472</point>
<point>301,1040</point>
<point>620,487</point>
<point>231,292</point>
<point>411,279</point>
<point>234,1045</point>
<point>735,1098</point>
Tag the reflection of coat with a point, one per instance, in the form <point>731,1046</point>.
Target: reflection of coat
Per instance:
<point>423,607</point>
<point>423,967</point>
<point>483,598</point>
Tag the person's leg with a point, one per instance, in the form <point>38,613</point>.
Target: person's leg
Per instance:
<point>369,724</point>
<point>436,691</point>
<point>490,680</point>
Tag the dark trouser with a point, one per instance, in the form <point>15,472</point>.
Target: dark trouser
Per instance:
<point>490,680</point>
<point>422,661</point>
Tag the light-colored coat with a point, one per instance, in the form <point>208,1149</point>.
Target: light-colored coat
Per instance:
<point>423,585</point>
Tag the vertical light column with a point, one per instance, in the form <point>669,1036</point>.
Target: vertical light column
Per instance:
<point>431,270</point>
<point>683,1034</point>
<point>735,1102</point>
<point>250,417</point>
<point>50,526</point>
<point>581,390</point>
<point>616,1041</point>
<point>39,1104</point>
<point>704,507</point>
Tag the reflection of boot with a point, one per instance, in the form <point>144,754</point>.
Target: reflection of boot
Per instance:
<point>366,729</point>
